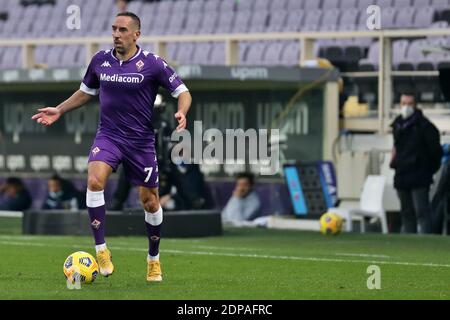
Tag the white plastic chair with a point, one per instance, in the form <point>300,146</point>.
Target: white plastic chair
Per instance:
<point>370,205</point>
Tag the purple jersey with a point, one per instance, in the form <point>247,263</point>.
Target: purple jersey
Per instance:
<point>127,93</point>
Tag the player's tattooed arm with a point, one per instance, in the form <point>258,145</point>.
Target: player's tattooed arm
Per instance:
<point>49,115</point>
<point>184,104</point>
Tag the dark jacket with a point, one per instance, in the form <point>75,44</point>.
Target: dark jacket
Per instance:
<point>418,151</point>
<point>22,201</point>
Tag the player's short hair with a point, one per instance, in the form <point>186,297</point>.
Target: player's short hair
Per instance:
<point>15,182</point>
<point>133,16</point>
<point>246,175</point>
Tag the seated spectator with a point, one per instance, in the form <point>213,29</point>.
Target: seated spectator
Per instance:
<point>62,195</point>
<point>244,205</point>
<point>15,196</point>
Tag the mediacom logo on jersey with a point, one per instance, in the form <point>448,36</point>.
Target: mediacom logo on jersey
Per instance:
<point>122,78</point>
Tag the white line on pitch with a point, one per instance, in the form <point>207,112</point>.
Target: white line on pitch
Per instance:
<point>363,255</point>
<point>243,255</point>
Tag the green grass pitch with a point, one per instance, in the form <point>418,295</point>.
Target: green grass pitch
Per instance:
<point>242,264</point>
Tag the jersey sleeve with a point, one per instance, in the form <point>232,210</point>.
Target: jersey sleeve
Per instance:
<point>90,84</point>
<point>168,79</point>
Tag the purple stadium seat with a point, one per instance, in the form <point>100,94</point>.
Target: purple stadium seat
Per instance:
<point>211,6</point>
<point>160,22</point>
<point>134,6</point>
<point>405,18</point>
<point>225,22</point>
<point>255,53</point>
<point>12,58</point>
<point>312,20</point>
<point>331,17</point>
<point>209,22</point>
<point>385,3</point>
<point>440,4</point>
<point>176,22</point>
<point>258,21</point>
<point>277,20</point>
<point>402,3</point>
<point>243,47</point>
<point>39,54</point>
<point>278,5</point>
<point>217,56</point>
<point>421,3</point>
<point>192,23</point>
<point>201,53</point>
<point>246,5</point>
<point>195,6</point>
<point>241,22</point>
<point>290,56</point>
<point>53,57</point>
<point>388,16</point>
<point>424,17</point>
<point>399,50</point>
<point>349,17</point>
<point>185,53</point>
<point>294,5</point>
<point>272,55</point>
<point>364,4</point>
<point>180,6</point>
<point>330,4</point>
<point>311,4</point>
<point>348,4</point>
<point>413,55</point>
<point>226,6</point>
<point>172,51</point>
<point>262,5</point>
<point>294,21</point>
<point>371,63</point>
<point>165,7</point>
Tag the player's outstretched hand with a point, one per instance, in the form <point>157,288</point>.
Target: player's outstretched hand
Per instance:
<point>181,118</point>
<point>47,116</point>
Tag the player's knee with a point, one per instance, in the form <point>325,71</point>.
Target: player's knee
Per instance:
<point>95,184</point>
<point>150,203</point>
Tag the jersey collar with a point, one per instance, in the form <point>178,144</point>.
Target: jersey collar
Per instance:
<point>121,61</point>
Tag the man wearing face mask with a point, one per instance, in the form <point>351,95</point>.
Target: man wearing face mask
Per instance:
<point>416,156</point>
<point>61,195</point>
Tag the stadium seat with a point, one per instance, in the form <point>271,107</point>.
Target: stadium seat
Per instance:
<point>291,54</point>
<point>209,22</point>
<point>241,22</point>
<point>424,17</point>
<point>255,53</point>
<point>370,205</point>
<point>385,3</point>
<point>262,5</point>
<point>192,23</point>
<point>294,21</point>
<point>312,21</point>
<point>278,5</point>
<point>309,4</point>
<point>296,5</point>
<point>202,53</point>
<point>225,22</point>
<point>258,21</point>
<point>175,23</point>
<point>388,18</point>
<point>273,53</point>
<point>217,56</point>
<point>405,18</point>
<point>211,6</point>
<point>277,20</point>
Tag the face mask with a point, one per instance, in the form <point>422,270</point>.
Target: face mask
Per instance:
<point>55,194</point>
<point>406,111</point>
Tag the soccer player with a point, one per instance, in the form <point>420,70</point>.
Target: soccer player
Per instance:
<point>127,79</point>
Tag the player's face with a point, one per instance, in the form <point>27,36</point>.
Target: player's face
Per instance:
<point>125,34</point>
<point>406,100</point>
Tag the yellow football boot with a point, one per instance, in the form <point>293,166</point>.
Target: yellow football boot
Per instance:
<point>104,262</point>
<point>154,271</point>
